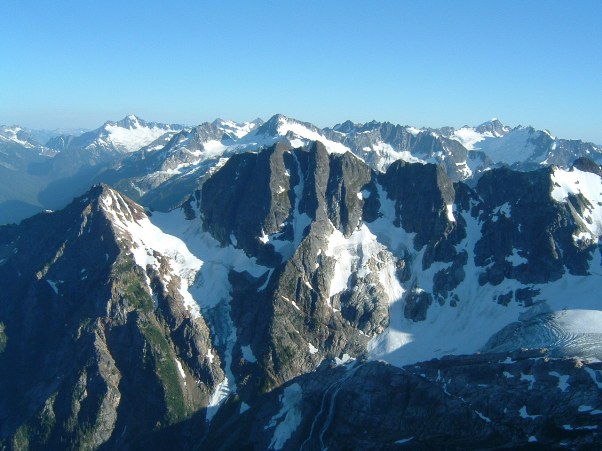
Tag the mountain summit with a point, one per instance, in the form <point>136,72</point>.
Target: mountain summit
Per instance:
<point>146,160</point>
<point>299,297</point>
<point>127,135</point>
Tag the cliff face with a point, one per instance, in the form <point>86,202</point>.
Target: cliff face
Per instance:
<point>98,351</point>
<point>124,329</point>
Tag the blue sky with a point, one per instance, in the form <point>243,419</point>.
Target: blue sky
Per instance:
<point>422,63</point>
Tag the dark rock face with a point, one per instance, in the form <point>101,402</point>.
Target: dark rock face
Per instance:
<point>519,217</point>
<point>365,139</point>
<point>482,401</point>
<point>89,360</point>
<point>416,305</point>
<point>249,197</point>
<point>422,193</point>
<point>297,197</point>
<point>587,165</point>
<point>424,197</point>
<point>334,248</point>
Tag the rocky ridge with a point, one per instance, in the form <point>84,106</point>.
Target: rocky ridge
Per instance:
<point>282,261</point>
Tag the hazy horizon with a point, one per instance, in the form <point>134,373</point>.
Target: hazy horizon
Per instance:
<point>74,65</point>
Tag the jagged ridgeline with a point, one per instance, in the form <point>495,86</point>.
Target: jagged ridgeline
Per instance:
<point>288,302</point>
<point>159,165</point>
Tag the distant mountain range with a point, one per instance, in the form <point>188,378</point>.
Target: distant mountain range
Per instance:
<point>158,164</point>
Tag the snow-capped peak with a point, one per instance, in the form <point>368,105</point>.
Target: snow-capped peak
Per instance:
<point>494,127</point>
<point>132,133</point>
<point>345,127</point>
<point>298,133</point>
<point>17,135</point>
<point>237,129</point>
<point>131,121</point>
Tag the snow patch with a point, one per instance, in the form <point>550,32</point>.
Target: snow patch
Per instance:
<point>589,185</point>
<point>288,419</point>
<point>515,259</point>
<point>133,139</point>
<point>413,131</point>
<point>483,417</point>
<point>53,285</point>
<point>351,255</point>
<point>303,132</point>
<point>468,137</point>
<point>568,427</point>
<point>450,213</point>
<point>529,378</point>
<point>181,370</point>
<point>515,146</point>
<point>523,413</point>
<point>343,360</point>
<point>247,354</point>
<point>562,380</point>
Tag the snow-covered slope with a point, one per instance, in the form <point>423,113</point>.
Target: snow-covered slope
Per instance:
<point>127,135</point>
<point>297,133</point>
<point>287,264</point>
<point>427,254</point>
<point>523,147</point>
<point>17,135</point>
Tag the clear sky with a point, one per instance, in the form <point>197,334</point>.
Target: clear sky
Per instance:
<point>78,63</point>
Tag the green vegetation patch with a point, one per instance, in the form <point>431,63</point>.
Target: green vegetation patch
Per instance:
<point>165,367</point>
<point>128,279</point>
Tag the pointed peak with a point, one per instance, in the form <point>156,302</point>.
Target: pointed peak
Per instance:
<point>493,126</point>
<point>272,125</point>
<point>111,201</point>
<point>96,192</point>
<point>131,121</point>
<point>585,164</point>
<point>492,121</point>
<point>345,127</point>
<point>277,119</point>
